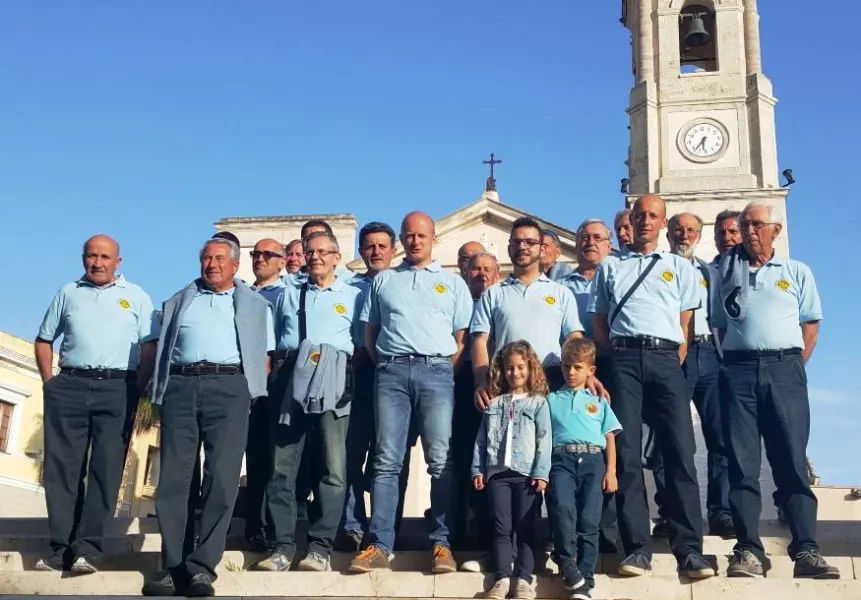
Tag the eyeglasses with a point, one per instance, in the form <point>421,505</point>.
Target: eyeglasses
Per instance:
<point>744,224</point>
<point>266,254</point>
<point>322,253</point>
<point>592,237</point>
<point>528,242</point>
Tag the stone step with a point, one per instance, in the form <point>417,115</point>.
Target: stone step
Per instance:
<point>420,585</point>
<point>234,561</point>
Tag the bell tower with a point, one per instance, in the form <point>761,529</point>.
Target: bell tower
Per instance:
<point>702,132</point>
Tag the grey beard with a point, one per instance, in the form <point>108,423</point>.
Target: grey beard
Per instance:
<point>685,251</point>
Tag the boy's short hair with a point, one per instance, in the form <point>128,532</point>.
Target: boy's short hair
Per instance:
<point>578,350</point>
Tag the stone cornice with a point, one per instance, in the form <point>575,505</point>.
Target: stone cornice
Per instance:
<point>264,222</point>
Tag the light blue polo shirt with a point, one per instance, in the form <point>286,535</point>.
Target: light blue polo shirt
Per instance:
<point>653,310</point>
<point>207,332</point>
<point>542,313</point>
<point>361,281</point>
<point>782,295</point>
<point>102,327</point>
<point>272,290</point>
<point>580,418</point>
<point>331,316</point>
<point>341,272</point>
<point>582,290</point>
<point>417,310</point>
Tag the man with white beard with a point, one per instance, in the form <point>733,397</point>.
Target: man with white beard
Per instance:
<point>701,370</point>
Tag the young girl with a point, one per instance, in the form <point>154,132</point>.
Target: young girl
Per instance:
<point>512,459</point>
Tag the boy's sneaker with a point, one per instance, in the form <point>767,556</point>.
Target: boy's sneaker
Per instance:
<point>524,590</point>
<point>809,564</point>
<point>499,590</point>
<point>370,559</point>
<point>314,562</point>
<point>275,562</point>
<point>635,565</point>
<point>744,563</point>
<point>572,576</point>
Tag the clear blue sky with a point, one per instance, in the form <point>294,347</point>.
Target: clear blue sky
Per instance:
<point>151,120</point>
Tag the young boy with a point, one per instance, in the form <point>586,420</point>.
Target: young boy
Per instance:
<point>583,429</point>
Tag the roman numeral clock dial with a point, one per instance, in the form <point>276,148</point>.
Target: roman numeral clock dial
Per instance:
<point>703,140</point>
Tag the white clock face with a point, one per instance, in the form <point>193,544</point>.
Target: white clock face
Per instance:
<point>704,140</point>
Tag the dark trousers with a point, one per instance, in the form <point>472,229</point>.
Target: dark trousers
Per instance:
<point>767,397</point>
<point>82,415</point>
<point>648,384</point>
<point>258,469</point>
<point>515,507</point>
<point>575,501</point>
<point>325,438</point>
<point>211,410</point>
<point>701,374</point>
<point>465,423</point>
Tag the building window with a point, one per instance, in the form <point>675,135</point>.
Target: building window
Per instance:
<point>5,425</point>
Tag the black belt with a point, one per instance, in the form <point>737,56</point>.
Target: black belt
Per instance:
<point>578,449</point>
<point>749,354</point>
<point>704,339</point>
<point>205,368</point>
<point>409,357</point>
<point>644,342</point>
<point>98,373</point>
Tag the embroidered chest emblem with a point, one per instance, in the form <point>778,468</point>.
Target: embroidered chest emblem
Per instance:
<point>667,276</point>
<point>124,303</point>
<point>440,288</point>
<point>704,283</point>
<point>550,300</point>
<point>783,285</point>
<point>340,309</point>
<point>592,408</point>
<point>314,358</point>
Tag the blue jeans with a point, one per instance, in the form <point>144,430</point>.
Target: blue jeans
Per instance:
<point>701,374</point>
<point>419,389</point>
<point>575,500</point>
<point>767,397</point>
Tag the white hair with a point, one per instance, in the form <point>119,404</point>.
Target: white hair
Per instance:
<point>319,234</point>
<point>234,249</point>
<point>588,222</point>
<point>774,214</point>
<point>674,220</point>
<point>625,212</point>
<point>471,262</point>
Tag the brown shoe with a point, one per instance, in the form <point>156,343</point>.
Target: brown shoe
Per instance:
<point>443,561</point>
<point>370,559</point>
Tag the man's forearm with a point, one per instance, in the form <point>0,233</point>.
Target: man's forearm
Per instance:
<point>601,333</point>
<point>44,354</point>
<point>480,359</point>
<point>810,335</point>
<point>371,333</point>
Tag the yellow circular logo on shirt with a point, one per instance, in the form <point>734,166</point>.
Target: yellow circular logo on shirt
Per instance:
<point>592,408</point>
<point>667,276</point>
<point>704,283</point>
<point>551,300</point>
<point>125,303</point>
<point>314,358</point>
<point>439,288</point>
<point>340,309</point>
<point>783,284</point>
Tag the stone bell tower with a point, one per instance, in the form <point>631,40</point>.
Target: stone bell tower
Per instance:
<point>702,131</point>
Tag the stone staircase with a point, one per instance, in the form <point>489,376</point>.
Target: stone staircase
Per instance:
<point>133,545</point>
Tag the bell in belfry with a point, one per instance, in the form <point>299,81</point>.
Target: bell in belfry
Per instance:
<point>696,34</point>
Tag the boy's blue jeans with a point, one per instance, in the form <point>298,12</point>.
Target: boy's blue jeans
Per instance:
<point>574,501</point>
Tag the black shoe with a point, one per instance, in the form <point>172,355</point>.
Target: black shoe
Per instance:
<point>696,567</point>
<point>200,586</point>
<point>84,563</point>
<point>54,562</point>
<point>722,527</point>
<point>161,586</point>
<point>635,565</point>
<point>809,564</point>
<point>582,593</point>
<point>572,576</point>
<point>744,563</point>
<point>661,528</point>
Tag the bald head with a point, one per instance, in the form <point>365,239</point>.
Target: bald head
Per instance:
<point>101,258</point>
<point>466,251</point>
<point>648,218</point>
<point>267,261</point>
<point>418,218</point>
<point>418,233</point>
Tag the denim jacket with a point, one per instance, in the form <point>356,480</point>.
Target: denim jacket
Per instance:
<point>530,441</point>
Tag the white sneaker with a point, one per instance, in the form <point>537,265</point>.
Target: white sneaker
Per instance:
<point>524,590</point>
<point>499,591</point>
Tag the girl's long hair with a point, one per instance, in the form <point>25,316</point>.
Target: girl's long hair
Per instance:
<point>536,383</point>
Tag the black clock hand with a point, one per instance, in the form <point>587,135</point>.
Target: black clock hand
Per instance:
<point>702,144</point>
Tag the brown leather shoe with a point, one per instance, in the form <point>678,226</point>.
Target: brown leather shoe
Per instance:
<point>443,561</point>
<point>371,558</point>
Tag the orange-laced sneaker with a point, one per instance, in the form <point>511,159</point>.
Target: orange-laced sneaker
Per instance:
<point>443,561</point>
<point>371,558</point>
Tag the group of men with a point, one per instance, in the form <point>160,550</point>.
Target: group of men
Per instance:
<point>312,360</point>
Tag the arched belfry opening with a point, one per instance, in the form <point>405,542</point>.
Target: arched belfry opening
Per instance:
<point>697,38</point>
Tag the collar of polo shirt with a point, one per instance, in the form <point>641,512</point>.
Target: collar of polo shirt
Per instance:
<point>512,279</point>
<point>433,267</point>
<point>337,284</point>
<point>626,252</point>
<point>202,289</point>
<point>119,282</point>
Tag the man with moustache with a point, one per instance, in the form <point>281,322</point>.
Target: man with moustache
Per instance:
<point>212,361</point>
<point>551,250</point>
<point>768,313</point>
<point>643,303</point>
<point>622,227</point>
<point>463,255</point>
<point>377,249</point>
<point>416,316</point>
<point>593,245</point>
<point>700,370</point>
<point>109,329</point>
<point>294,257</point>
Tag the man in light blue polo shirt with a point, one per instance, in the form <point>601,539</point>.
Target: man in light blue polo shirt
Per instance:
<point>768,312</point>
<point>526,305</point>
<point>109,330</point>
<point>212,361</point>
<point>416,316</point>
<point>643,303</point>
<point>331,310</point>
